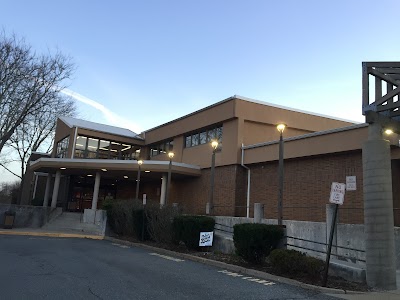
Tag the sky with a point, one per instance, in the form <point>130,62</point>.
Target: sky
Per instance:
<point>140,64</point>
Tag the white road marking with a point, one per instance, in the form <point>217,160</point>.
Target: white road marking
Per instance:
<point>119,245</point>
<point>248,278</point>
<point>167,257</point>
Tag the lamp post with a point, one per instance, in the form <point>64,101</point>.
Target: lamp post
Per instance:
<point>214,145</point>
<point>281,127</point>
<point>139,162</point>
<point>171,156</point>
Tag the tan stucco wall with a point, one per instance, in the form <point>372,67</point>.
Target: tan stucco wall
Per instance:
<point>294,119</point>
<point>256,132</point>
<point>213,115</point>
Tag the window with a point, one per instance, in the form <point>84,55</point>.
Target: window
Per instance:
<point>80,147</point>
<point>62,148</point>
<point>161,148</point>
<point>204,136</point>
<point>88,147</point>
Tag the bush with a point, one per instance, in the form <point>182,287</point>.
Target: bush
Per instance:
<point>254,242</point>
<point>159,222</point>
<point>187,229</point>
<point>121,216</point>
<point>293,262</point>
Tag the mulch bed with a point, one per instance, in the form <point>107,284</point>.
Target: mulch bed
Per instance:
<point>333,282</point>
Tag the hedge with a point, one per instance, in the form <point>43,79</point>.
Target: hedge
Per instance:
<point>293,262</point>
<point>254,242</point>
<point>187,229</point>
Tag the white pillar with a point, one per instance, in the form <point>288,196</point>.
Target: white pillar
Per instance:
<point>378,211</point>
<point>96,190</point>
<point>258,212</point>
<point>47,191</point>
<point>163,189</point>
<point>55,189</point>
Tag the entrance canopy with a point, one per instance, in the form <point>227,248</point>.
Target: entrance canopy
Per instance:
<point>113,168</point>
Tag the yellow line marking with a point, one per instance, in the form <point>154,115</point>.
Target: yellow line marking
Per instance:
<point>53,234</point>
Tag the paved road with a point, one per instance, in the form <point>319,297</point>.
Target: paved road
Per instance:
<point>55,268</point>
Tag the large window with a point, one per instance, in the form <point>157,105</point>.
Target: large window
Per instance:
<point>204,136</point>
<point>161,148</point>
<point>87,147</point>
<point>62,148</point>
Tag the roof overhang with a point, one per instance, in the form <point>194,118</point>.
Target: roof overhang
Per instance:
<point>112,167</point>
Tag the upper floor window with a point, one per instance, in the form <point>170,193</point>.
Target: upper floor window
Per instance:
<point>62,148</point>
<point>161,148</point>
<point>87,147</point>
<point>204,136</point>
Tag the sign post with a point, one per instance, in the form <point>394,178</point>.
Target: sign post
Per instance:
<point>337,198</point>
<point>143,215</point>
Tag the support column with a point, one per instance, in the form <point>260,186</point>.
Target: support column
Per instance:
<point>47,191</point>
<point>258,212</point>
<point>96,190</point>
<point>330,209</point>
<point>378,210</point>
<point>163,189</point>
<point>55,189</point>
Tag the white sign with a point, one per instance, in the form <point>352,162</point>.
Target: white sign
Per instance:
<point>351,183</point>
<point>206,239</point>
<point>144,199</point>
<point>337,193</point>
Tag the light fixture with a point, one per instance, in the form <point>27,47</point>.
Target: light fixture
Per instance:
<point>126,177</point>
<point>62,168</point>
<point>281,127</point>
<point>89,175</point>
<point>140,162</point>
<point>147,171</point>
<point>214,144</point>
<point>171,154</point>
<point>388,131</point>
<point>104,170</point>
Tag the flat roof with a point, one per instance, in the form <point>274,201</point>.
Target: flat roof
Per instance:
<point>73,122</point>
<point>84,166</point>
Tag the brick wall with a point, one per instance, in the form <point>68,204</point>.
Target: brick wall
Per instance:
<point>307,184</point>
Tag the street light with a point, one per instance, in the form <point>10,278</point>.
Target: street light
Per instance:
<point>214,145</point>
<point>281,127</point>
<point>171,156</point>
<point>139,162</point>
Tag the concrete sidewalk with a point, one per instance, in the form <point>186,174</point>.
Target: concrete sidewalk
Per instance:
<point>386,295</point>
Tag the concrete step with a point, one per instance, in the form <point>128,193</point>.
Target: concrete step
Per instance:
<point>72,222</point>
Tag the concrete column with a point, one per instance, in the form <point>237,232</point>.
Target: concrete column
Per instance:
<point>258,212</point>
<point>378,211</point>
<point>96,190</point>
<point>163,189</point>
<point>55,189</point>
<point>47,191</point>
<point>330,209</point>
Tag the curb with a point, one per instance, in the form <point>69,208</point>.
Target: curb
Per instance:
<point>234,268</point>
<point>53,234</point>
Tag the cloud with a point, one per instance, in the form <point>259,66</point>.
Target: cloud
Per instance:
<point>111,117</point>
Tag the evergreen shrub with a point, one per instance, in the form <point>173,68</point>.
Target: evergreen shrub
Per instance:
<point>254,242</point>
<point>187,229</point>
<point>293,262</point>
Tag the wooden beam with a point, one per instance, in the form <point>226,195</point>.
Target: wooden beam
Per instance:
<point>383,77</point>
<point>383,64</point>
<point>389,70</point>
<point>388,96</point>
<point>387,107</point>
<point>365,86</point>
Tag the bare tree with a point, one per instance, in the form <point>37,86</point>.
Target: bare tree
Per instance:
<point>29,84</point>
<point>37,131</point>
